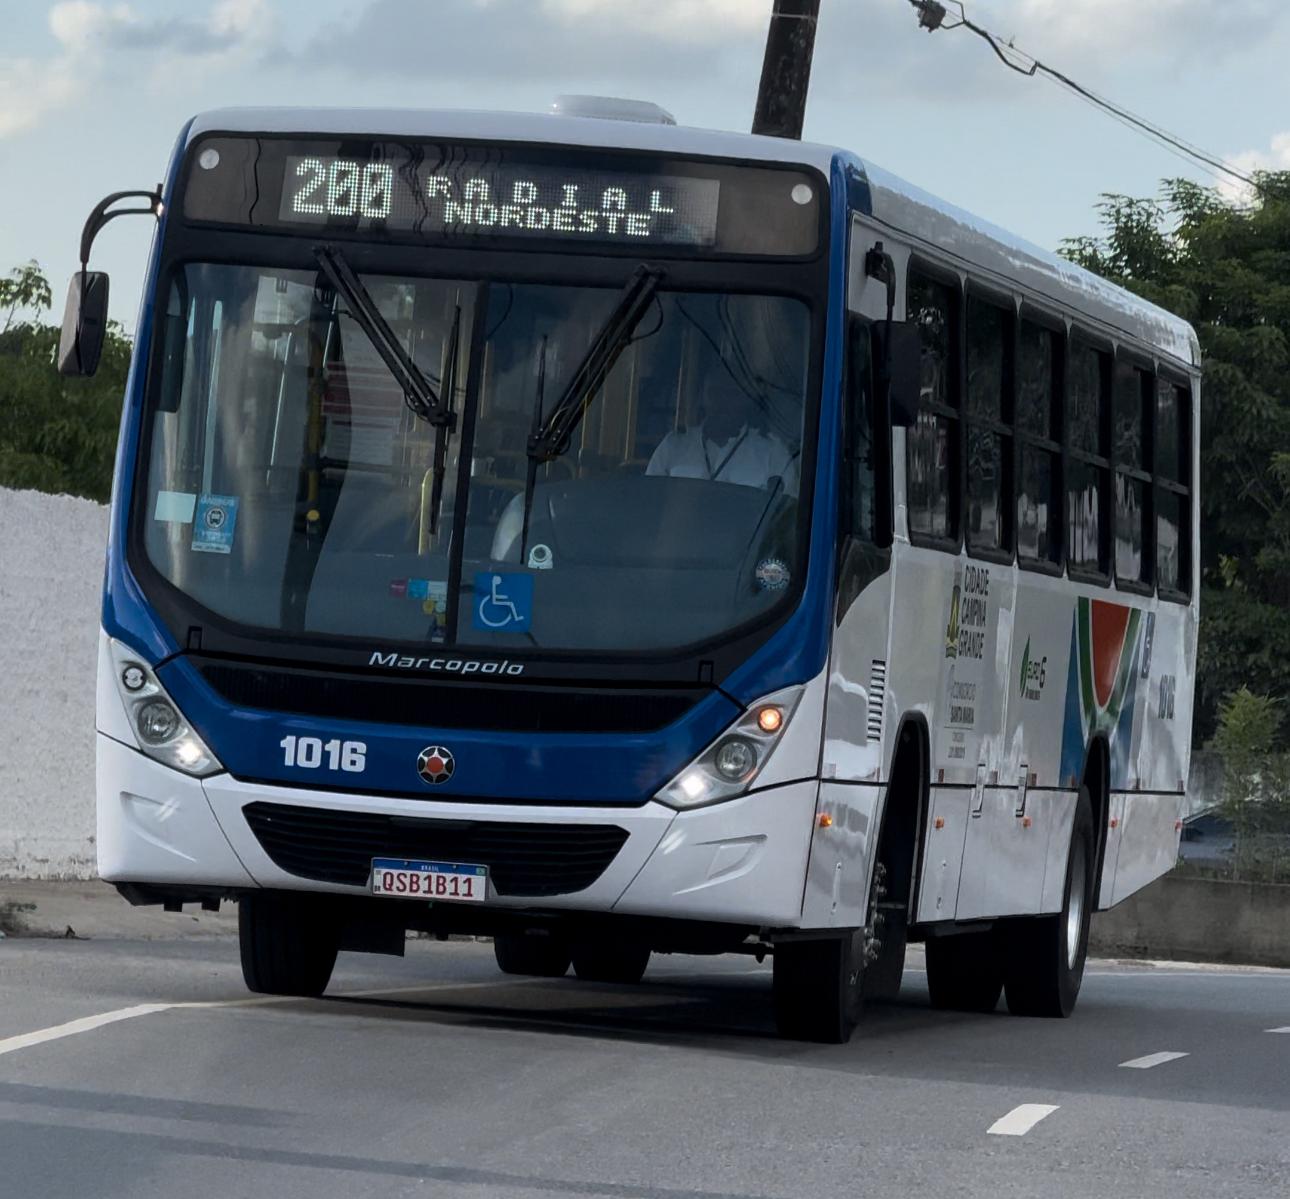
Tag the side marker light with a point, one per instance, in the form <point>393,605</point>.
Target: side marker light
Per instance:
<point>824,820</point>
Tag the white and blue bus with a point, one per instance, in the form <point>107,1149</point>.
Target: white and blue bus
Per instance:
<point>618,538</point>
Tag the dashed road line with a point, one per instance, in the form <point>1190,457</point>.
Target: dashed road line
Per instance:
<point>1285,1029</point>
<point>1152,1059</point>
<point>1021,1119</point>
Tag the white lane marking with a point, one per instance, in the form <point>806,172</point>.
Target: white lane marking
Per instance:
<point>1152,1059</point>
<point>1285,1029</point>
<point>1021,1119</point>
<point>84,1024</point>
<point>89,1023</point>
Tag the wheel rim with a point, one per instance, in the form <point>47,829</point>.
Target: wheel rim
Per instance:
<point>1075,902</point>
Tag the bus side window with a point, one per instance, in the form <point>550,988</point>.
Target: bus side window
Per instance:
<point>865,520</point>
<point>932,445</point>
<point>1088,472</point>
<point>1134,556</point>
<point>1039,495</point>
<point>989,428</point>
<point>1173,489</point>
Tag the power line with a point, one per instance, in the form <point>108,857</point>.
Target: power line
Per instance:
<point>932,16</point>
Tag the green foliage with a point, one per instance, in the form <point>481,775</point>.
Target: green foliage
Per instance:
<point>56,434</point>
<point>1256,785</point>
<point>1225,268</point>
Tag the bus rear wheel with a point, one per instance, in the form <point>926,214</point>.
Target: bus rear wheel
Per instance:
<point>288,945</point>
<point>964,972</point>
<point>1044,955</point>
<point>608,962</point>
<point>538,954</point>
<point>818,989</point>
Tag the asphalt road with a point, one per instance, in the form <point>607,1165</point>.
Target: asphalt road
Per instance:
<point>436,1075</point>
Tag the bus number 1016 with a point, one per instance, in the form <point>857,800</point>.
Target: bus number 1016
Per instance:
<point>308,753</point>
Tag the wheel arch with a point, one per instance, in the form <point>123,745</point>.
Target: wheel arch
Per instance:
<point>901,834</point>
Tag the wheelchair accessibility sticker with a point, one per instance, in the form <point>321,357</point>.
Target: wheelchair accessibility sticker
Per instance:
<point>503,602</point>
<point>215,523</point>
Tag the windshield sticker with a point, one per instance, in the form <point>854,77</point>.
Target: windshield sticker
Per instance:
<point>175,507</point>
<point>772,574</point>
<point>541,557</point>
<point>215,524</point>
<point>503,603</point>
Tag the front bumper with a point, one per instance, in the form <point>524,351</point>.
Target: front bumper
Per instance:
<point>743,861</point>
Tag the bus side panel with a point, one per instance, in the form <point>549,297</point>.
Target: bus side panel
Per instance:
<point>947,821</point>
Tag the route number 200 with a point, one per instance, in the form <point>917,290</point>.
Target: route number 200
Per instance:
<point>308,753</point>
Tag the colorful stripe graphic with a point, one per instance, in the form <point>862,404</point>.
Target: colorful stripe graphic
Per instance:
<point>1101,685</point>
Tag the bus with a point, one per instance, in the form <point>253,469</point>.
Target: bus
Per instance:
<point>616,538</point>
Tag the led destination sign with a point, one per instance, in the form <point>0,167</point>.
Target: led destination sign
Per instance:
<point>486,195</point>
<point>491,199</point>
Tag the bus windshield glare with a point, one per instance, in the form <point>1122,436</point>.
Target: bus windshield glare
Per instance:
<point>291,486</point>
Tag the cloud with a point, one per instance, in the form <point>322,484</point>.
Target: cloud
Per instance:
<point>93,39</point>
<point>1275,158</point>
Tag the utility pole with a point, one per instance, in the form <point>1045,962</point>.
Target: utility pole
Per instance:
<point>786,69</point>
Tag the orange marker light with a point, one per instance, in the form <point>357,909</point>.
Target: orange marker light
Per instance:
<point>770,719</point>
<point>1115,822</point>
<point>940,822</point>
<point>1026,822</point>
<point>825,820</point>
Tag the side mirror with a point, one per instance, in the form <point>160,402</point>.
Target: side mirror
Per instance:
<point>84,324</point>
<point>898,360</point>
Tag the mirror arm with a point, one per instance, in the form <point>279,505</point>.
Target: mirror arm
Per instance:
<point>100,216</point>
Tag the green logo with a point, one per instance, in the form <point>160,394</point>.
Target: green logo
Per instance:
<point>1034,673</point>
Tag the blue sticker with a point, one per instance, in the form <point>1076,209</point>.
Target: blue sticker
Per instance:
<point>503,603</point>
<point>418,589</point>
<point>215,523</point>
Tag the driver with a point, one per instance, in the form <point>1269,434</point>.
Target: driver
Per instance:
<point>727,445</point>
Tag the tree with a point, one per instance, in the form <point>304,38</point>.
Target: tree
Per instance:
<point>56,434</point>
<point>1225,267</point>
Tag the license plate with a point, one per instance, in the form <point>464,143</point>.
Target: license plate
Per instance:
<point>453,881</point>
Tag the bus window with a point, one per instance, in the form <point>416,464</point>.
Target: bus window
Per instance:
<point>1039,502</point>
<point>1173,482</point>
<point>1088,471</point>
<point>1133,561</point>
<point>932,445</point>
<point>989,437</point>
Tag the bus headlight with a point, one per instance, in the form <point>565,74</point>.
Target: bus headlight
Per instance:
<point>729,766</point>
<point>159,728</point>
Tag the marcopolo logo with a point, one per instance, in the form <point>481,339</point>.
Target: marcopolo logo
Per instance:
<point>435,764</point>
<point>446,665</point>
<point>1034,673</point>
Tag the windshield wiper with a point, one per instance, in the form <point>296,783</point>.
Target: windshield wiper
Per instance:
<point>553,437</point>
<point>417,389</point>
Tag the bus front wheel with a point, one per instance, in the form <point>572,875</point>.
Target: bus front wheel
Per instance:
<point>540,955</point>
<point>610,962</point>
<point>288,946</point>
<point>817,985</point>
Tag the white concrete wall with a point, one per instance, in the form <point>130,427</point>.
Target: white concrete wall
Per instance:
<point>51,579</point>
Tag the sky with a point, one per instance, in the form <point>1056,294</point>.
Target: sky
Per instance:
<point>93,94</point>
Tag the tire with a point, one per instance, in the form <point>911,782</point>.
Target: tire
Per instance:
<point>288,945</point>
<point>964,972</point>
<point>606,962</point>
<point>1044,956</point>
<point>818,988</point>
<point>540,955</point>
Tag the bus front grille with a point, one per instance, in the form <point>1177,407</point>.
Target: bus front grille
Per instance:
<point>331,846</point>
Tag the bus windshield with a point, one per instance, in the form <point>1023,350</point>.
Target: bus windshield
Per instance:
<point>291,485</point>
